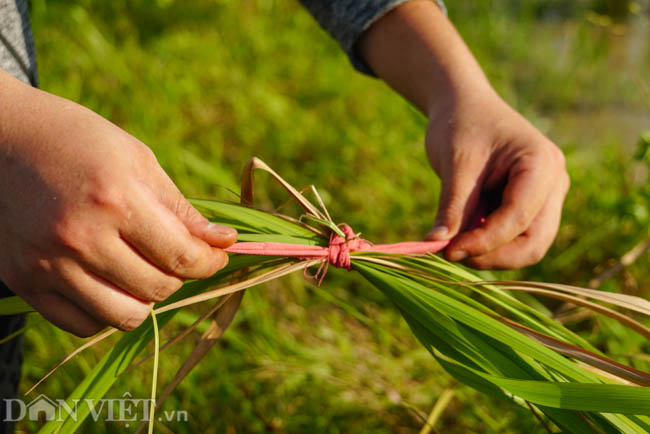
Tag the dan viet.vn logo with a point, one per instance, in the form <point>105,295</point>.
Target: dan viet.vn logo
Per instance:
<point>126,410</point>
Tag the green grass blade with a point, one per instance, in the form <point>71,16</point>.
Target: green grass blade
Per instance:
<point>248,219</point>
<point>97,383</point>
<point>14,306</point>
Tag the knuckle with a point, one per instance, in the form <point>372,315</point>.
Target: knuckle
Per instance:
<point>164,290</point>
<point>183,261</point>
<point>68,233</point>
<point>146,152</point>
<point>480,244</point>
<point>520,217</point>
<point>187,211</point>
<point>68,276</point>
<point>106,195</point>
<point>558,156</point>
<point>452,214</point>
<point>37,266</point>
<point>536,254</point>
<point>555,158</point>
<point>181,206</point>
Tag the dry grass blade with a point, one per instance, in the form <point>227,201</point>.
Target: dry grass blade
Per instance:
<point>623,374</point>
<point>211,336</point>
<point>606,374</point>
<point>229,289</point>
<point>311,188</point>
<point>626,260</point>
<point>320,202</point>
<point>88,344</point>
<point>630,302</point>
<point>380,261</point>
<point>475,344</point>
<point>538,417</point>
<point>644,357</point>
<point>273,274</point>
<point>225,311</point>
<point>247,187</point>
<point>154,377</point>
<point>623,319</point>
<point>298,222</point>
<point>182,334</point>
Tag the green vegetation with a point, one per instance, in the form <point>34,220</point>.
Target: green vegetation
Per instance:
<point>209,84</point>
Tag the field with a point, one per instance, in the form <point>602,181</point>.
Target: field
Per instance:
<point>208,84</point>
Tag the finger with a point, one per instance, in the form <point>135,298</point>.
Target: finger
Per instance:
<point>161,237</point>
<point>63,313</point>
<point>99,298</point>
<point>214,234</point>
<point>121,265</point>
<point>524,195</point>
<point>461,188</point>
<point>530,247</point>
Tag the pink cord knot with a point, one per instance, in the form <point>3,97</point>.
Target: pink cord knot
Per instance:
<point>338,251</point>
<point>340,248</point>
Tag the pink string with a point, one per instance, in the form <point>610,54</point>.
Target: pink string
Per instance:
<point>338,251</point>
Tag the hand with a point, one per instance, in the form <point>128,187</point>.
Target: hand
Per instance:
<point>478,144</point>
<point>92,230</point>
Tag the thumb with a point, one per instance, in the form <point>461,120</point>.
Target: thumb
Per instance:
<point>214,234</point>
<point>461,188</point>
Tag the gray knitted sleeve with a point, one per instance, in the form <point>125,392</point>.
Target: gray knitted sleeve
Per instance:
<point>16,44</point>
<point>346,20</point>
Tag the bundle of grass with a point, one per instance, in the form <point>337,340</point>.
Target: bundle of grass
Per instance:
<point>478,331</point>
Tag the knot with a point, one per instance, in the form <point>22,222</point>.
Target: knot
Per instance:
<point>338,251</point>
<point>340,248</point>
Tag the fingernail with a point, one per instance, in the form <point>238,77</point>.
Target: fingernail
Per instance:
<point>438,233</point>
<point>221,230</point>
<point>458,255</point>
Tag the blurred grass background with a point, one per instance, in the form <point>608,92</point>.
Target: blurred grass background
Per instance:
<point>208,84</point>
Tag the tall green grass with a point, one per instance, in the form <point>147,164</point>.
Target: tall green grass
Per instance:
<point>480,333</point>
<point>205,86</point>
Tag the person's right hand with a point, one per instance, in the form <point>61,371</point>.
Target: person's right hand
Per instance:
<point>92,230</point>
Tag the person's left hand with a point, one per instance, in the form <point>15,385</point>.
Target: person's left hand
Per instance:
<point>478,144</point>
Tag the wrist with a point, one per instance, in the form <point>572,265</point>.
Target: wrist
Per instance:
<point>457,94</point>
<point>464,98</point>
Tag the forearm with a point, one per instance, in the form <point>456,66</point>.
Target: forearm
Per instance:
<point>12,93</point>
<point>419,53</point>
<point>26,114</point>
